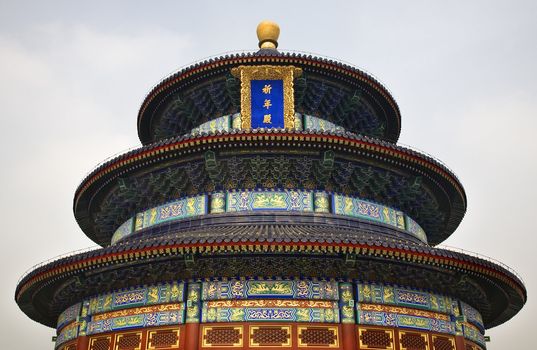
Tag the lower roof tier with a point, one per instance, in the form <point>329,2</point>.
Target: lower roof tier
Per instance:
<point>334,162</point>
<point>371,254</point>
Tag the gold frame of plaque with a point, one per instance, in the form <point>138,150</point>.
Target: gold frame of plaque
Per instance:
<point>267,72</point>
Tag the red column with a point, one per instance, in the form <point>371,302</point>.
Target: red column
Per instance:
<point>192,336</point>
<point>193,315</point>
<point>460,344</point>
<point>348,336</point>
<point>82,343</point>
<point>347,316</point>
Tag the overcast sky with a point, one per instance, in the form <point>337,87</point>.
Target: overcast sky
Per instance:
<point>73,74</point>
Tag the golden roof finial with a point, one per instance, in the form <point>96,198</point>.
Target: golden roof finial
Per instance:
<point>268,33</point>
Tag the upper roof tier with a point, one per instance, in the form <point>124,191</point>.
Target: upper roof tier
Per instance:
<point>344,95</point>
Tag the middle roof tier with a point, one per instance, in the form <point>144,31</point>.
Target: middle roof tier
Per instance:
<point>335,162</point>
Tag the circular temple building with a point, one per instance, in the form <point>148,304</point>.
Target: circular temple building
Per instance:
<point>270,207</point>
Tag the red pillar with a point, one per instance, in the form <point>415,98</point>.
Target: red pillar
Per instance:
<point>193,315</point>
<point>82,343</point>
<point>347,316</point>
<point>191,336</point>
<point>348,336</point>
<point>460,344</point>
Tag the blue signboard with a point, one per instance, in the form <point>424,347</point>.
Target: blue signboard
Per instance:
<point>267,104</point>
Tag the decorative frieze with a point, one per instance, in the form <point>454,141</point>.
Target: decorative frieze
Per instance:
<point>151,319</point>
<point>228,123</point>
<point>70,314</point>
<point>355,207</point>
<point>268,301</point>
<point>245,289</point>
<point>269,200</point>
<point>146,295</point>
<point>473,333</point>
<point>220,124</point>
<point>346,303</point>
<point>177,210</point>
<point>393,295</point>
<point>193,306</point>
<point>270,314</point>
<point>472,315</point>
<point>404,318</point>
<point>319,124</point>
<point>69,332</point>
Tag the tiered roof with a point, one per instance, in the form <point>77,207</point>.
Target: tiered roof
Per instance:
<point>355,157</point>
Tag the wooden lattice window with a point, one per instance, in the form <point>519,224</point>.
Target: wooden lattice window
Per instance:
<point>129,341</point>
<point>443,343</point>
<point>102,343</point>
<point>222,336</point>
<point>318,336</point>
<point>470,346</point>
<point>270,336</point>
<point>376,339</point>
<point>163,339</point>
<point>413,341</point>
<point>70,347</point>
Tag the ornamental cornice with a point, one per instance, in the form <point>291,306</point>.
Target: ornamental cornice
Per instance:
<point>341,141</point>
<point>138,253</point>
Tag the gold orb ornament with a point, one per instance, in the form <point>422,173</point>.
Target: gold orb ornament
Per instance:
<point>268,33</point>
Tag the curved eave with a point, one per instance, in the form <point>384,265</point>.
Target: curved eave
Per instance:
<point>244,226</point>
<point>174,148</point>
<point>221,65</point>
<point>505,293</point>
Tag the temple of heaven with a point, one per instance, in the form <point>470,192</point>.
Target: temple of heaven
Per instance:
<point>270,207</point>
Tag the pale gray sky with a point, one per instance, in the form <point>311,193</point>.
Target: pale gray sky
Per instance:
<point>73,74</point>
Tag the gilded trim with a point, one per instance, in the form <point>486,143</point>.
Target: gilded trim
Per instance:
<point>424,336</point>
<point>404,311</point>
<point>205,330</point>
<point>287,344</point>
<point>267,72</point>
<point>301,329</point>
<point>450,339</point>
<point>119,336</point>
<point>93,340</point>
<point>390,333</point>
<point>175,330</point>
<point>138,311</point>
